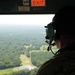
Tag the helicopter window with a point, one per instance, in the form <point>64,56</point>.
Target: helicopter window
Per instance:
<point>22,43</point>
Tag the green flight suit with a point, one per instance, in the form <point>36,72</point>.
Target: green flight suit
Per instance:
<point>62,63</point>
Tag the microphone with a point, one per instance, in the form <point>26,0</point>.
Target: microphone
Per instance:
<point>51,43</point>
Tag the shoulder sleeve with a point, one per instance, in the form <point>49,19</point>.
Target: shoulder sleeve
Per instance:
<point>49,67</point>
<point>56,66</point>
<point>61,64</point>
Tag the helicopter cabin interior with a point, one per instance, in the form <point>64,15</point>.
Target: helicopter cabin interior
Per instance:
<point>33,6</point>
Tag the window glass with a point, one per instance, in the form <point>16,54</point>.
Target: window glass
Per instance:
<point>22,43</point>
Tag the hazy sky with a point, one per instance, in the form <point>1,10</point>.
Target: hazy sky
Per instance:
<point>25,19</point>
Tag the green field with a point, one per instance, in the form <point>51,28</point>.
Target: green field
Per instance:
<point>23,58</point>
<point>8,71</point>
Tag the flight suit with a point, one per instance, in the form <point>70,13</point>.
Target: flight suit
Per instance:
<point>62,63</point>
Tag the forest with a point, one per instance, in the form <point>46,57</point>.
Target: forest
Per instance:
<point>18,40</point>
